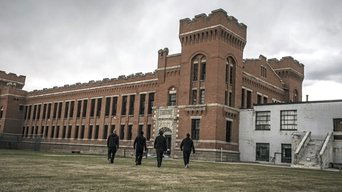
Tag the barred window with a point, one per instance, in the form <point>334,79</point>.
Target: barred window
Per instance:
<point>288,120</point>
<point>262,151</point>
<point>262,120</point>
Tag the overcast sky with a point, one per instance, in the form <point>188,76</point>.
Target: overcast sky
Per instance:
<point>62,42</point>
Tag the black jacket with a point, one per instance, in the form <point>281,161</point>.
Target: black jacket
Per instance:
<point>187,145</point>
<point>140,143</point>
<point>113,141</point>
<point>160,143</point>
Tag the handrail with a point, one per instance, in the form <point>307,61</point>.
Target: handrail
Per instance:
<point>323,158</point>
<point>302,142</point>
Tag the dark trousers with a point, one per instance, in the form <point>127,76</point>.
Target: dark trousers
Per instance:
<point>111,153</point>
<point>138,157</point>
<point>186,157</point>
<point>160,153</point>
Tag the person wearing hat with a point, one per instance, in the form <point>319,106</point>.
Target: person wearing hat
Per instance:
<point>160,146</point>
<point>113,145</point>
<point>139,146</point>
<point>187,146</point>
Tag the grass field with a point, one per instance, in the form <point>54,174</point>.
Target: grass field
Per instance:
<point>38,171</point>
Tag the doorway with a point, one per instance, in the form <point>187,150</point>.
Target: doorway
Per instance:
<point>168,145</point>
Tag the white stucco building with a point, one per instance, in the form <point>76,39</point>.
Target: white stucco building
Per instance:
<point>305,134</point>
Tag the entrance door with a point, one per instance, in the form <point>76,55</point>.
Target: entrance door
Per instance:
<point>168,145</point>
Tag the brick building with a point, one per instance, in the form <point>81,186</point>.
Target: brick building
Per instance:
<point>199,91</point>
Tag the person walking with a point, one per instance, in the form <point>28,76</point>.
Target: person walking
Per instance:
<point>139,146</point>
<point>113,145</point>
<point>186,146</point>
<point>160,146</point>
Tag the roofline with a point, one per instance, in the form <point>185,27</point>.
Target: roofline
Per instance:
<point>302,102</point>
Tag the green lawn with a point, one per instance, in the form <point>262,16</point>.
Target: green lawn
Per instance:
<point>39,171</point>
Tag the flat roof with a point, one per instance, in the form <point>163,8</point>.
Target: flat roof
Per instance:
<point>301,102</point>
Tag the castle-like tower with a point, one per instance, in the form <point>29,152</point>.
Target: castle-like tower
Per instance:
<point>198,91</point>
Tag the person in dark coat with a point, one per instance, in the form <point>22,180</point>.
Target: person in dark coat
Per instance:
<point>113,145</point>
<point>160,146</point>
<point>186,146</point>
<point>139,146</point>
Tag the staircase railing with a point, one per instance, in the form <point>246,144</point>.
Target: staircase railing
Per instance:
<point>299,150</point>
<point>325,154</point>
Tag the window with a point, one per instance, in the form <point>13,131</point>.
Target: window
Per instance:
<point>114,105</point>
<point>203,70</point>
<point>25,114</point>
<point>286,153</point>
<point>243,92</point>
<point>66,109</point>
<point>150,103</point>
<point>76,131</point>
<point>82,132</point>
<point>230,102</point>
<point>85,105</point>
<point>90,131</point>
<point>195,72</point>
<point>337,124</point>
<point>129,132</point>
<point>226,97</point>
<point>194,97</point>
<point>140,128</point>
<point>46,131</point>
<point>54,115</point>
<point>97,127</point>
<point>98,108</point>
<point>44,110</point>
<point>142,104</point>
<point>69,131</point>
<point>57,132</point>
<point>38,111</point>
<point>41,131</point>
<point>172,98</point>
<point>195,129</point>
<point>52,132</point>
<point>131,104</point>
<point>263,71</point>
<point>63,132</point>
<point>148,132</point>
<point>249,99</point>
<point>105,132</point>
<point>34,111</point>
<point>29,112</point>
<point>72,104</point>
<point>265,100</point>
<point>288,120</point>
<point>79,105</point>
<point>107,109</point>
<point>295,96</point>
<point>122,132</point>
<point>202,96</point>
<point>198,61</point>
<point>48,111</point>
<point>1,111</point>
<point>262,120</point>
<point>262,151</point>
<point>230,69</point>
<point>60,110</point>
<point>124,104</point>
<point>259,99</point>
<point>228,131</point>
<point>92,108</point>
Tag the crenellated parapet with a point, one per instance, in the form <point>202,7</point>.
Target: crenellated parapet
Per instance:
<point>216,26</point>
<point>106,82</point>
<point>12,80</point>
<point>287,65</point>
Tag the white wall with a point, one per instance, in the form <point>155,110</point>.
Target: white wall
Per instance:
<point>314,117</point>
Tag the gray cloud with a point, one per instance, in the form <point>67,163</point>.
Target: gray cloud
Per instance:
<point>64,42</point>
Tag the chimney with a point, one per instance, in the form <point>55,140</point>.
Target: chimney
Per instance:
<point>307,98</point>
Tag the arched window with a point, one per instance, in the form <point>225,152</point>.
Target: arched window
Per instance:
<point>295,95</point>
<point>198,66</point>
<point>172,97</point>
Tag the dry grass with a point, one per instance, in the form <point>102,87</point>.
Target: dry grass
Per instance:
<point>37,171</point>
